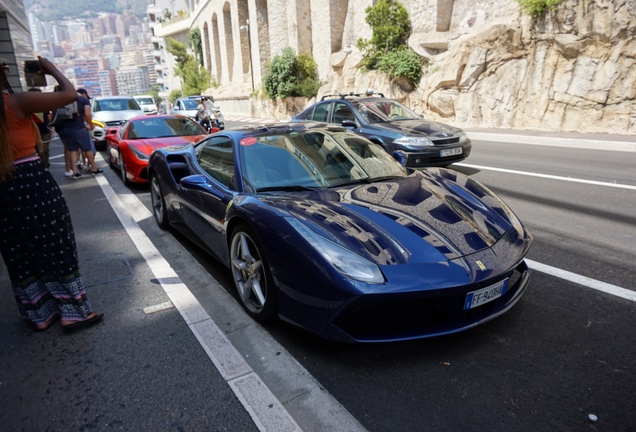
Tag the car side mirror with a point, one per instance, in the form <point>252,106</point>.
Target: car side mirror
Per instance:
<point>195,181</point>
<point>349,124</point>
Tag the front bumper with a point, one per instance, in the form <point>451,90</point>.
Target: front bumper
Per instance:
<point>384,318</point>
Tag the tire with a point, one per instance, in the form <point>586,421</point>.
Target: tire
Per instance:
<point>159,209</point>
<point>122,170</point>
<point>252,276</point>
<point>109,159</point>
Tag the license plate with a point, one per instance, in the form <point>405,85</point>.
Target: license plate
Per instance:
<point>451,152</point>
<point>485,295</point>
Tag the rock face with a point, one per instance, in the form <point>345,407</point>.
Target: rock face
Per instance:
<point>492,66</point>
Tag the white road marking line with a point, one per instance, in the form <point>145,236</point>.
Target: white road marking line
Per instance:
<point>229,362</point>
<point>583,280</point>
<point>548,176</point>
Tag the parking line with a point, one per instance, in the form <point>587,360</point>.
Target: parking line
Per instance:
<point>548,176</point>
<point>271,415</point>
<point>265,409</point>
<point>583,280</point>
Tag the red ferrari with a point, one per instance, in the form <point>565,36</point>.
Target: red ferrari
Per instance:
<point>129,146</point>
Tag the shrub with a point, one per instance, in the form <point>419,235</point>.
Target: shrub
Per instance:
<point>402,63</point>
<point>536,8</point>
<point>291,75</point>
<point>387,50</point>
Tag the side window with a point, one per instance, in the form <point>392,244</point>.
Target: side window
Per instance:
<point>342,112</point>
<point>320,112</point>
<point>216,158</point>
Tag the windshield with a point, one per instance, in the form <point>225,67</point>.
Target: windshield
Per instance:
<point>190,104</point>
<point>313,159</point>
<point>120,104</point>
<point>154,127</point>
<point>384,110</point>
<point>145,100</point>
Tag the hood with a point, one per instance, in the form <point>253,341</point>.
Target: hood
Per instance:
<point>150,144</point>
<point>429,217</point>
<point>418,128</point>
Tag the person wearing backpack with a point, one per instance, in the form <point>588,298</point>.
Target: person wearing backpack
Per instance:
<point>71,125</point>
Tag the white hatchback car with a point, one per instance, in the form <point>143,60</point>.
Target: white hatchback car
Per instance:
<point>111,111</point>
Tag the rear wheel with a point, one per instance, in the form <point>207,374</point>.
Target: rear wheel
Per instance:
<point>252,276</point>
<point>158,203</point>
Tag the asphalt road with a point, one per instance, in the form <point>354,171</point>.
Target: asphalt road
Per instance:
<point>565,352</point>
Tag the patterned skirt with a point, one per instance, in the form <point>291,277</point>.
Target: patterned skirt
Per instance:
<point>38,246</point>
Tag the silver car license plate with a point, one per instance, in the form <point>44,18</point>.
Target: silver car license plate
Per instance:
<point>451,152</point>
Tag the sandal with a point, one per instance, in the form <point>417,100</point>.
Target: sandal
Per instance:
<point>45,326</point>
<point>97,317</point>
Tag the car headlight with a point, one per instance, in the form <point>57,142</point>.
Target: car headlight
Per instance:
<point>346,262</point>
<point>462,136</point>
<point>414,142</point>
<point>140,155</point>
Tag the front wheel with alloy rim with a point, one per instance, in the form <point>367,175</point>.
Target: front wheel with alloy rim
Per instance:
<point>252,276</point>
<point>158,203</point>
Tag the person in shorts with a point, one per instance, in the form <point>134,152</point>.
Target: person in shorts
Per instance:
<point>75,135</point>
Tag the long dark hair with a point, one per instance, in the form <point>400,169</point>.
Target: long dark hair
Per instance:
<point>6,155</point>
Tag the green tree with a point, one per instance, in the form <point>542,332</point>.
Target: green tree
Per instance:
<point>195,43</point>
<point>291,75</point>
<point>195,79</point>
<point>387,50</point>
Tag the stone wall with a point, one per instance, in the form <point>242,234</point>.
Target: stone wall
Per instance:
<point>489,64</point>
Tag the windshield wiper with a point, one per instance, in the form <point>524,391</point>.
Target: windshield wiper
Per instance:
<point>383,178</point>
<point>352,182</point>
<point>288,188</point>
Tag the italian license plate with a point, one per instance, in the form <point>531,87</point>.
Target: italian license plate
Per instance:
<point>485,295</point>
<point>451,152</point>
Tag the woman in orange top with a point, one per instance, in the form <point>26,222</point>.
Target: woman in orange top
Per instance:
<point>37,241</point>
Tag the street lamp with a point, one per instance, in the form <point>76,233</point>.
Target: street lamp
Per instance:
<point>249,46</point>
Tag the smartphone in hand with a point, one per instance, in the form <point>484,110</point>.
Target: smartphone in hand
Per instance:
<point>32,74</point>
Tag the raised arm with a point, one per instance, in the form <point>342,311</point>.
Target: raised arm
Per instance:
<point>26,103</point>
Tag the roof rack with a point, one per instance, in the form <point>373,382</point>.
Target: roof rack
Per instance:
<point>350,95</point>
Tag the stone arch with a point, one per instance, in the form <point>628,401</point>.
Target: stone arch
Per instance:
<point>217,67</point>
<point>206,47</point>
<point>444,14</point>
<point>303,26</point>
<point>243,17</point>
<point>338,15</point>
<point>262,29</point>
<point>229,41</point>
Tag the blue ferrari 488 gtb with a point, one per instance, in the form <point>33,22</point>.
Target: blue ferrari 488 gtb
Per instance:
<point>325,230</point>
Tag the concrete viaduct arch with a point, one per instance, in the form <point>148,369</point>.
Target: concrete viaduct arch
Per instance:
<point>316,27</point>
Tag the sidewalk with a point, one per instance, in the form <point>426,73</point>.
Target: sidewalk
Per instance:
<point>595,141</point>
<point>135,371</point>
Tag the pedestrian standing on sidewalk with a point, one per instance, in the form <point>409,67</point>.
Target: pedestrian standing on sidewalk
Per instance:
<point>76,137</point>
<point>90,126</point>
<point>37,241</point>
